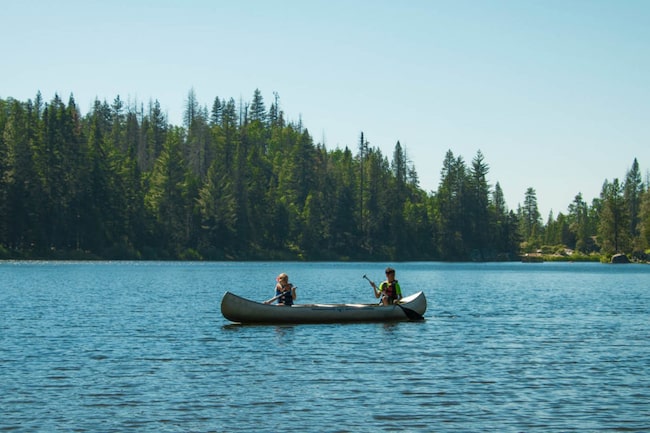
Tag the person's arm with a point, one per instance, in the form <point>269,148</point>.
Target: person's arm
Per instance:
<point>278,292</point>
<point>398,291</point>
<point>270,301</point>
<point>374,287</point>
<point>380,292</point>
<point>293,292</point>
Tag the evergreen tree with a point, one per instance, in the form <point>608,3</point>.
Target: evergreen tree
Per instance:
<point>500,228</point>
<point>399,195</point>
<point>450,200</point>
<point>98,182</point>
<point>192,109</point>
<point>477,207</point>
<point>363,151</point>
<point>613,229</point>
<point>399,168</point>
<point>166,198</point>
<point>154,131</point>
<point>275,115</point>
<point>579,226</point>
<point>217,110</point>
<point>257,109</point>
<point>199,148</point>
<point>552,232</point>
<point>5,167</point>
<point>531,224</point>
<point>20,191</point>
<point>57,158</point>
<point>132,229</point>
<point>345,222</point>
<point>632,190</point>
<point>118,130</point>
<point>375,202</point>
<point>644,222</point>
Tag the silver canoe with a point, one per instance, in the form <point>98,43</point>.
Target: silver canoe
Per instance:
<point>241,310</point>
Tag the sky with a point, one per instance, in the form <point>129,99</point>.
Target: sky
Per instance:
<point>554,94</point>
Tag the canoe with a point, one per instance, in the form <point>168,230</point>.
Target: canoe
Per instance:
<point>242,310</point>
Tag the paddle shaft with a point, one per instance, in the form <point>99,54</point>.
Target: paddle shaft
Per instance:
<point>277,297</point>
<point>372,284</point>
<point>273,298</point>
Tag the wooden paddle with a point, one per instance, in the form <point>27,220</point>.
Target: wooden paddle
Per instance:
<point>411,314</point>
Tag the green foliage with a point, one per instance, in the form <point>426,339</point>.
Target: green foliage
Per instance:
<point>243,183</point>
<point>613,228</point>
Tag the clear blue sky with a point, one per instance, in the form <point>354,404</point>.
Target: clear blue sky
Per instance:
<point>555,94</point>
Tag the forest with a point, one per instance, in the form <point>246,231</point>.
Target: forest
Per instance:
<point>238,181</point>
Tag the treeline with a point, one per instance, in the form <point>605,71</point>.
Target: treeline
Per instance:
<point>239,181</point>
<point>616,222</point>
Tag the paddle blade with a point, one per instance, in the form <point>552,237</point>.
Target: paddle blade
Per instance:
<point>411,314</point>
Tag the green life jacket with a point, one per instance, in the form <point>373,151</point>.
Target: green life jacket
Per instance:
<point>389,289</point>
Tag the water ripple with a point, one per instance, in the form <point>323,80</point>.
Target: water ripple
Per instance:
<point>142,347</point>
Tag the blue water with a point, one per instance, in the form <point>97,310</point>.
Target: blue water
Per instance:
<point>116,347</point>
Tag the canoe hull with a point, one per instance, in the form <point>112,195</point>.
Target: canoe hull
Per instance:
<point>241,310</point>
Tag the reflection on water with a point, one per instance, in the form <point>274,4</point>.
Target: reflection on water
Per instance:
<point>143,347</point>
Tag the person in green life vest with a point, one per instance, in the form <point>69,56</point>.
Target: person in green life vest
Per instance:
<point>389,290</point>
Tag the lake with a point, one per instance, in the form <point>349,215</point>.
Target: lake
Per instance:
<point>142,346</point>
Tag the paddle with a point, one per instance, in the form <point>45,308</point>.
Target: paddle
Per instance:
<point>273,298</point>
<point>372,284</point>
<point>412,315</point>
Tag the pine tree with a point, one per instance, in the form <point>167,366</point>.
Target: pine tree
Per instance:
<point>531,223</point>
<point>167,194</point>
<point>450,198</point>
<point>632,190</point>
<point>613,229</point>
<point>217,111</point>
<point>499,227</point>
<point>580,226</point>
<point>644,221</point>
<point>192,109</point>
<point>257,110</point>
<point>20,192</point>
<point>478,207</point>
